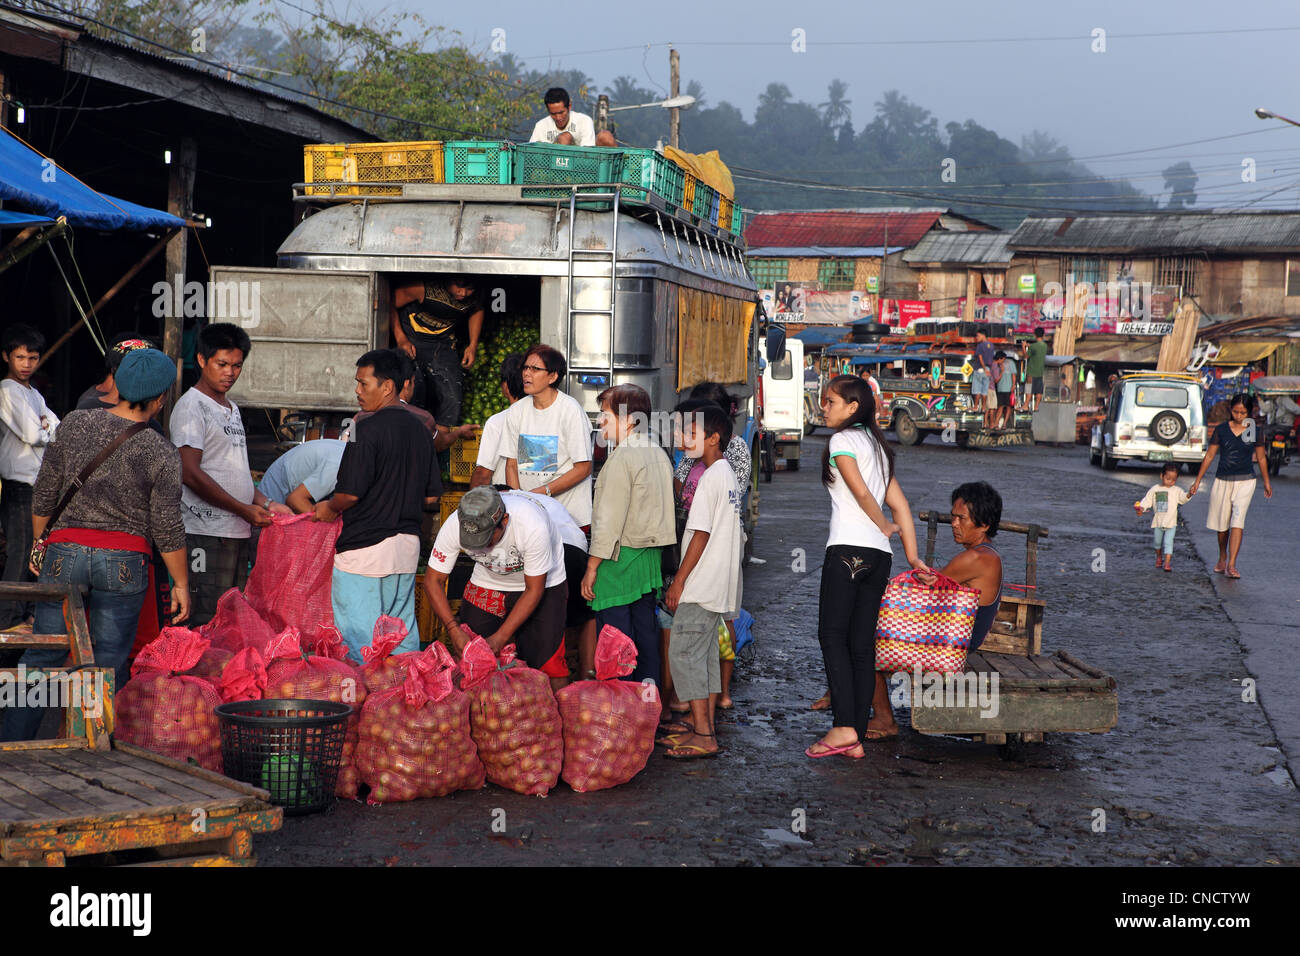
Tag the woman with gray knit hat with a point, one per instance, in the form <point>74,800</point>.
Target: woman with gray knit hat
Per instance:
<point>100,538</point>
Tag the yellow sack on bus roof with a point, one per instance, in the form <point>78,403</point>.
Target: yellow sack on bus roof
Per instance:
<point>708,168</point>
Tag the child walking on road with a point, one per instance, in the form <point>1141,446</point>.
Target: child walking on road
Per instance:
<point>1163,499</point>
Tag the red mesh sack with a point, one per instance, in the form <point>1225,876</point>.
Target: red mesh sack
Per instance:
<point>609,724</point>
<point>290,582</point>
<point>415,738</point>
<point>513,718</point>
<point>211,664</point>
<point>244,677</point>
<point>293,673</point>
<point>164,710</point>
<point>381,668</point>
<point>236,624</point>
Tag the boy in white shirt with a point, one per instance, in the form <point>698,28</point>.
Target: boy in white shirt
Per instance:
<point>705,586</point>
<point>219,502</point>
<point>28,426</point>
<point>490,468</point>
<point>1164,500</point>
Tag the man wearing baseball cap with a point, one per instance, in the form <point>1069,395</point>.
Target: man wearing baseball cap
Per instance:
<point>518,592</point>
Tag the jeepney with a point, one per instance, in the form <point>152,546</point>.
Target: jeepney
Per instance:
<point>628,287</point>
<point>926,389</point>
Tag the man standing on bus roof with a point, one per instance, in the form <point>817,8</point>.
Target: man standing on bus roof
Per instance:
<point>563,127</point>
<point>430,319</point>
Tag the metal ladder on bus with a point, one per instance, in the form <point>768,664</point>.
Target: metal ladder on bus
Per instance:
<point>593,194</point>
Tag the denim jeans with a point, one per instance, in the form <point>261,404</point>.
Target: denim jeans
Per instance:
<point>16,513</point>
<point>439,380</point>
<point>115,583</point>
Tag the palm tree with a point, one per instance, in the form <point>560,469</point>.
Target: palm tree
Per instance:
<point>835,111</point>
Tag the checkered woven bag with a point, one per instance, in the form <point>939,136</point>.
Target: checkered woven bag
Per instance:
<point>929,625</point>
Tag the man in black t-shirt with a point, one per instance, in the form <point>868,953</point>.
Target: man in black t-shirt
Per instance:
<point>437,322</point>
<point>387,475</point>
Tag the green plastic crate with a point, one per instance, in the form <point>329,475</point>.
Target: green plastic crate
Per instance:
<point>476,161</point>
<point>543,163</point>
<point>652,173</point>
<point>737,220</point>
<point>705,205</point>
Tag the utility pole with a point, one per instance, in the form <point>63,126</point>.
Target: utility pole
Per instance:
<point>602,113</point>
<point>674,87</point>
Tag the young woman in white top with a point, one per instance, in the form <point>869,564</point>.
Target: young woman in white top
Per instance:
<point>858,471</point>
<point>547,440</point>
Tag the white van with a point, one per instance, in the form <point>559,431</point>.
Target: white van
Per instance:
<point>783,402</point>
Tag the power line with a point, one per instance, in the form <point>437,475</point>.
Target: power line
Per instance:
<point>974,41</point>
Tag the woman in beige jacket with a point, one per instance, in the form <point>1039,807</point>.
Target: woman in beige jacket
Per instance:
<point>632,519</point>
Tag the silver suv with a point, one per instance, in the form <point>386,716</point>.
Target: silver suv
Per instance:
<point>1151,416</point>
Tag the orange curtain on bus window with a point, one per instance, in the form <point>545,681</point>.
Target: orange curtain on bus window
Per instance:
<point>712,336</point>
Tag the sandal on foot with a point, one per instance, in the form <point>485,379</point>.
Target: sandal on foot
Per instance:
<point>692,751</point>
<point>822,703</point>
<point>1233,573</point>
<point>873,734</point>
<point>830,751</point>
<point>1220,568</point>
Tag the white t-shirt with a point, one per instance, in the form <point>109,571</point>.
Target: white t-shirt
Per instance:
<point>548,442</point>
<point>22,439</point>
<point>218,432</point>
<point>491,450</point>
<point>849,523</point>
<point>580,127</point>
<point>714,583</point>
<point>1163,502</point>
<point>530,546</point>
<point>570,533</point>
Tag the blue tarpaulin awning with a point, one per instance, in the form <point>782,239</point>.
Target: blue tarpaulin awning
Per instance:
<point>38,186</point>
<point>9,218</point>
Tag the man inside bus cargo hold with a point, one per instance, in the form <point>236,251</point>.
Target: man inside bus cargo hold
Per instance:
<point>437,322</point>
<point>563,127</point>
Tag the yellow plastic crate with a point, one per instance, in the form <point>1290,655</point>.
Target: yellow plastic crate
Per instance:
<point>464,453</point>
<point>724,213</point>
<point>410,162</point>
<point>688,193</point>
<point>430,628</point>
<point>447,504</point>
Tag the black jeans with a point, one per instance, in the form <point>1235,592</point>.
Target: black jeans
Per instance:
<point>853,583</point>
<point>16,513</point>
<point>439,381</point>
<point>637,621</point>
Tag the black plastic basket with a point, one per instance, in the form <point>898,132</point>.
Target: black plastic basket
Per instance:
<point>290,747</point>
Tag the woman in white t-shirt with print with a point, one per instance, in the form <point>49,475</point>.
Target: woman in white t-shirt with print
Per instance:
<point>547,444</point>
<point>858,471</point>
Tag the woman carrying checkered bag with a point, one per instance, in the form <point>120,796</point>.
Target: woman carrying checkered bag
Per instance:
<point>858,471</point>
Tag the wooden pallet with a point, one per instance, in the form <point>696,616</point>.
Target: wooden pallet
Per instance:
<point>1034,695</point>
<point>61,801</point>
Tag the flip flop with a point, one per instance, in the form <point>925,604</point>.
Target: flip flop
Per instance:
<point>1218,569</point>
<point>822,703</point>
<point>873,734</point>
<point>1233,573</point>
<point>691,752</point>
<point>834,751</point>
<point>675,728</point>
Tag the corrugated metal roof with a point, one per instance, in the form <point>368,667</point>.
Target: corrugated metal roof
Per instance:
<point>835,228</point>
<point>1208,231</point>
<point>970,248</point>
<point>820,252</point>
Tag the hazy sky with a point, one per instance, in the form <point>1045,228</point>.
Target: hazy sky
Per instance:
<point>1041,73</point>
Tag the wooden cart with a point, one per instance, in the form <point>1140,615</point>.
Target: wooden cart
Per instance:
<point>87,799</point>
<point>1036,693</point>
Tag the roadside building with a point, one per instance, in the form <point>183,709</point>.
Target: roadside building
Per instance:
<point>834,266</point>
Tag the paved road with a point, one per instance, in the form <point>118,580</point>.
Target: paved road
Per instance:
<point>1191,775</point>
